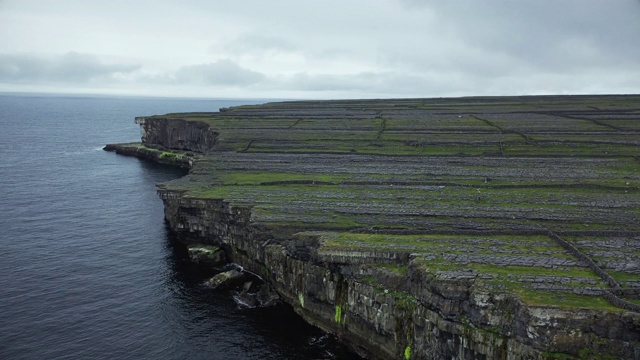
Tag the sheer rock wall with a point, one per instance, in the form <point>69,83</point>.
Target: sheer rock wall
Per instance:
<point>177,134</point>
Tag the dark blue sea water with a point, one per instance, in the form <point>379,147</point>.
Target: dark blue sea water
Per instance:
<point>87,267</point>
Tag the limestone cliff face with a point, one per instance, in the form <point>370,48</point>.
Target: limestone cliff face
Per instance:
<point>386,315</point>
<point>177,134</point>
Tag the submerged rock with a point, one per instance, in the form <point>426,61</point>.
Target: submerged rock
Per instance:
<point>263,296</point>
<point>206,254</point>
<point>225,279</point>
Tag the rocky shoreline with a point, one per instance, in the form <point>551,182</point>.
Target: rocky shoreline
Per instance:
<point>388,223</point>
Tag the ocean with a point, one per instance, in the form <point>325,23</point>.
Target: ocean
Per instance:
<point>88,269</point>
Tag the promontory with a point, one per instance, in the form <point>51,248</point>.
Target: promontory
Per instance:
<point>449,228</point>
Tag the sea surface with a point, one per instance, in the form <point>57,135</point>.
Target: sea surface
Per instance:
<point>88,269</point>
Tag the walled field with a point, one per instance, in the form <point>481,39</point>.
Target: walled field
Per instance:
<point>538,196</point>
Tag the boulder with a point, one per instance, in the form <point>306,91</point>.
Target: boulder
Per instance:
<point>263,296</point>
<point>267,296</point>
<point>206,255</point>
<point>225,279</point>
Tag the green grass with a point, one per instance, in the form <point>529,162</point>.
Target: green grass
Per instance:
<point>169,155</point>
<point>565,300</point>
<point>439,242</point>
<point>635,301</point>
<point>503,272</point>
<point>323,194</point>
<point>623,276</point>
<point>250,178</point>
<point>506,276</point>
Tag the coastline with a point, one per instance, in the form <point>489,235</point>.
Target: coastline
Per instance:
<point>379,285</point>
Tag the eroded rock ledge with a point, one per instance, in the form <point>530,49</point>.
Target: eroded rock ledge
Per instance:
<point>472,228</point>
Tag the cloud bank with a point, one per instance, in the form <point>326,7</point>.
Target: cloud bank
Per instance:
<point>71,67</point>
<point>329,49</point>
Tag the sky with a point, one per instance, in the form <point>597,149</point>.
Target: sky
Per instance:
<point>321,49</point>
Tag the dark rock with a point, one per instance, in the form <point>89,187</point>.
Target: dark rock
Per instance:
<point>177,134</point>
<point>206,254</point>
<point>265,296</point>
<point>225,280</point>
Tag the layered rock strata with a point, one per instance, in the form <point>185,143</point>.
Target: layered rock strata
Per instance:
<point>177,134</point>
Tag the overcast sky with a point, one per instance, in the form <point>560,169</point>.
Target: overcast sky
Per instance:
<point>321,48</point>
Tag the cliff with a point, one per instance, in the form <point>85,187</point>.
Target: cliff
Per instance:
<point>471,228</point>
<point>177,134</point>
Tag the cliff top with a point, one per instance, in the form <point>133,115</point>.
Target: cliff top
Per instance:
<point>539,196</point>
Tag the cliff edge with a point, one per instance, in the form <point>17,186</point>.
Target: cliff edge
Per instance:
<point>467,228</point>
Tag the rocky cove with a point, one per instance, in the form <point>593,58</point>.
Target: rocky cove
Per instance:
<point>468,228</point>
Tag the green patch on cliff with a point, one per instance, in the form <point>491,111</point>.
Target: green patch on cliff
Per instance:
<point>404,301</point>
<point>169,155</point>
<point>338,317</point>
<point>407,353</point>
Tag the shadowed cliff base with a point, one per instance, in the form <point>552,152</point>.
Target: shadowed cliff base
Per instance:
<point>466,228</point>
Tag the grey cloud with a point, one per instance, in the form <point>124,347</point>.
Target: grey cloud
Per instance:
<point>437,83</point>
<point>260,45</point>
<point>71,67</point>
<point>558,37</point>
<point>351,48</point>
<point>372,82</point>
<point>250,43</point>
<point>221,72</point>
<point>331,82</point>
<point>566,36</point>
